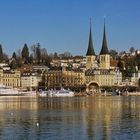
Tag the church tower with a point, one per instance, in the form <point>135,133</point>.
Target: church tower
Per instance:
<point>90,55</point>
<point>104,54</point>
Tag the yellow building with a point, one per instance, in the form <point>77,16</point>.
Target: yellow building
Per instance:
<point>10,78</point>
<point>64,78</point>
<point>102,77</point>
<point>53,78</point>
<point>73,78</point>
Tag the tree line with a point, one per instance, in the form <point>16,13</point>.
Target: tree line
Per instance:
<point>35,54</point>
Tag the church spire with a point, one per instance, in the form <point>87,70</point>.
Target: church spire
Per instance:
<point>90,50</point>
<point>104,49</point>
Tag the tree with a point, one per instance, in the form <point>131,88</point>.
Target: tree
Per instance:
<point>55,55</point>
<point>31,58</point>
<point>139,82</point>
<point>18,53</point>
<point>18,58</point>
<point>13,64</point>
<point>44,55</point>
<point>33,49</point>
<point>5,57</point>
<point>137,60</point>
<point>132,49</point>
<point>25,52</point>
<point>38,53</point>
<point>114,54</point>
<point>14,55</point>
<point>1,53</point>
<point>120,65</point>
<point>65,54</point>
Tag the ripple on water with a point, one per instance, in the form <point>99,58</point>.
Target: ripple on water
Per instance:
<point>106,118</point>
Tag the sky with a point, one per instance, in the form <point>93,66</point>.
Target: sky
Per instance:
<point>63,25</point>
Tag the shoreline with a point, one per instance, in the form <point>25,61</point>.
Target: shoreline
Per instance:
<point>107,94</point>
<point>80,94</point>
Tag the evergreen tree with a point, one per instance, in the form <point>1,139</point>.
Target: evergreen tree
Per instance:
<point>1,53</point>
<point>132,49</point>
<point>38,53</point>
<point>13,64</point>
<point>25,52</point>
<point>55,55</point>
<point>14,55</point>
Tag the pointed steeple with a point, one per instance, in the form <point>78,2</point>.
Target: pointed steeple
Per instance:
<point>104,49</point>
<point>90,50</point>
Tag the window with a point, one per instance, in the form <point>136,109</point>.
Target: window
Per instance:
<point>89,59</point>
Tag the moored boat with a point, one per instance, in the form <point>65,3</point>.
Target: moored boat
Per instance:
<point>25,92</point>
<point>8,91</point>
<point>57,93</point>
<point>63,93</point>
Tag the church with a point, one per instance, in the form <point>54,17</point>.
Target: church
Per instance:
<point>99,72</point>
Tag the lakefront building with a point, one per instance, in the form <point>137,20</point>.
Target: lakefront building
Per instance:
<point>10,78</point>
<point>65,77</point>
<point>135,79</point>
<point>98,72</point>
<point>30,80</point>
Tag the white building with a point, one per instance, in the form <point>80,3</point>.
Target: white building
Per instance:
<point>118,77</point>
<point>4,66</point>
<point>135,78</point>
<point>41,68</point>
<point>30,80</point>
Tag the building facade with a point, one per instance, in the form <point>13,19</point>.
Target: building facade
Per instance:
<point>135,79</point>
<point>64,78</point>
<point>30,80</point>
<point>10,78</point>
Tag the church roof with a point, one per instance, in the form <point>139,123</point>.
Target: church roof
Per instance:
<point>90,50</point>
<point>104,49</point>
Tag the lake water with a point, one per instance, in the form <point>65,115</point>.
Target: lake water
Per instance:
<point>79,118</point>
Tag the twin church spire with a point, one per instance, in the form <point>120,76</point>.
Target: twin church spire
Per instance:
<point>104,49</point>
<point>104,57</point>
<point>90,50</point>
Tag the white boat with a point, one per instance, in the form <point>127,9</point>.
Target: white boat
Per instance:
<point>25,92</point>
<point>8,91</point>
<point>57,93</point>
<point>63,93</point>
<point>43,93</point>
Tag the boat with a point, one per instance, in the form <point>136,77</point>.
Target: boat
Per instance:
<point>43,93</point>
<point>63,93</point>
<point>8,91</point>
<point>57,93</point>
<point>25,92</point>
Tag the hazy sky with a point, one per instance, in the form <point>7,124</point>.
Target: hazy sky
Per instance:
<point>63,25</point>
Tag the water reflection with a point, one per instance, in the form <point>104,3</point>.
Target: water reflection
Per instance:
<point>103,118</point>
